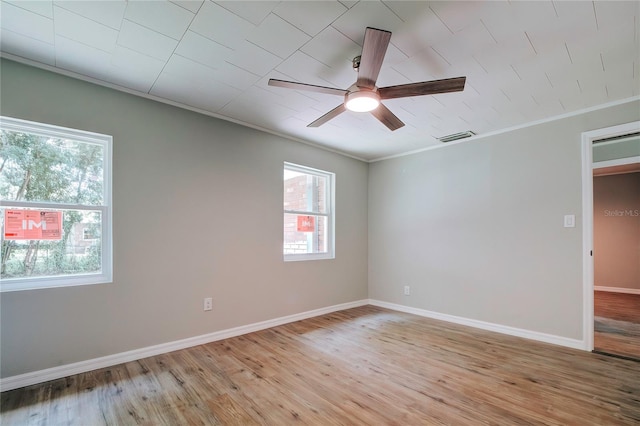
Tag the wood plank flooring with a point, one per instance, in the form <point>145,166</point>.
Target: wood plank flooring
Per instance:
<point>362,366</point>
<point>617,323</point>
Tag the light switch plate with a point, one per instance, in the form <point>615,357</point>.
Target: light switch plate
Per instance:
<point>569,220</point>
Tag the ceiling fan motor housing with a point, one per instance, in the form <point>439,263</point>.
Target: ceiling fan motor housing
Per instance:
<point>360,99</point>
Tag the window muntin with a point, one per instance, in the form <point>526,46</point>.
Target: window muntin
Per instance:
<point>308,213</point>
<point>46,169</point>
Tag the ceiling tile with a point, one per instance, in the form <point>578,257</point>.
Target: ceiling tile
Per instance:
<point>393,56</point>
<point>188,69</point>
<point>332,48</point>
<point>426,65</point>
<point>365,14</point>
<point>504,25</point>
<point>421,29</point>
<point>302,67</point>
<point>617,61</point>
<point>496,57</point>
<point>83,30</point>
<point>81,58</point>
<point>348,3</point>
<point>532,14</point>
<point>291,98</point>
<point>26,23</point>
<point>612,14</point>
<point>234,76</point>
<point>124,62</point>
<point>161,16</point>
<point>190,5</point>
<point>44,8</point>
<point>25,47</point>
<point>464,43</point>
<point>146,41</point>
<point>538,64</point>
<point>618,89</point>
<point>253,58</point>
<point>203,50</point>
<point>297,99</point>
<point>109,13</point>
<point>457,15</point>
<point>114,68</point>
<point>174,87</point>
<point>135,63</point>
<point>304,106</point>
<point>576,20</point>
<point>278,36</point>
<point>221,25</point>
<point>310,16</point>
<point>249,108</point>
<point>213,96</point>
<point>252,11</point>
<point>390,77</point>
<point>200,76</point>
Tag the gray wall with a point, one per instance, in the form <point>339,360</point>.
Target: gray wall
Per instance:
<point>476,228</point>
<point>171,166</point>
<point>616,230</point>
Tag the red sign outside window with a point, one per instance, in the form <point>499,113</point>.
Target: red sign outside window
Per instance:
<point>306,223</point>
<point>32,225</point>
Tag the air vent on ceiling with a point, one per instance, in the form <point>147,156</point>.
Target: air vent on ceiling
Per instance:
<point>456,136</point>
<point>618,138</point>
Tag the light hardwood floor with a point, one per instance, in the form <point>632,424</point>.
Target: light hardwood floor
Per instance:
<point>362,366</point>
<point>617,323</point>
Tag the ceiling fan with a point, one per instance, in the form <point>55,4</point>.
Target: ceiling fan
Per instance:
<point>364,95</point>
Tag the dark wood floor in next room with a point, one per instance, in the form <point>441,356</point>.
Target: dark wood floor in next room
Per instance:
<point>617,324</point>
<point>362,366</point>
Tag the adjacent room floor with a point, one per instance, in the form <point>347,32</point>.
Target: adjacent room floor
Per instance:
<point>362,366</point>
<point>617,324</point>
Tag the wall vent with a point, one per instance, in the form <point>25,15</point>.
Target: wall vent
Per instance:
<point>456,136</point>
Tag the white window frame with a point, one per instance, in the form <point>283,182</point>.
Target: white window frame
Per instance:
<point>330,214</point>
<point>106,275</point>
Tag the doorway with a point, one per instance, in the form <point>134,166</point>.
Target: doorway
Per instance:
<point>616,235</point>
<point>615,155</point>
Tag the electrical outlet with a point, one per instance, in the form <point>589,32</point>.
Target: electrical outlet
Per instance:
<point>407,290</point>
<point>208,303</point>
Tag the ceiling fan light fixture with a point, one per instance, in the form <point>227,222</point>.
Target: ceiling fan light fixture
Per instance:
<point>362,101</point>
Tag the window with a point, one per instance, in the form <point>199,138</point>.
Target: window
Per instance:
<point>308,213</point>
<point>55,206</point>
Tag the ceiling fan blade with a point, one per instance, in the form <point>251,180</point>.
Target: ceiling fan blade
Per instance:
<point>387,118</point>
<point>328,116</point>
<point>373,51</point>
<point>307,87</point>
<point>424,88</point>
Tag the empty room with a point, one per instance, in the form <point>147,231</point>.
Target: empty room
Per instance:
<point>319,212</point>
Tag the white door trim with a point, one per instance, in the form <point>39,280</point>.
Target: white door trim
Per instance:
<point>587,220</point>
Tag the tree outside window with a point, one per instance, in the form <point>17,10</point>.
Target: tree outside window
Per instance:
<point>48,172</point>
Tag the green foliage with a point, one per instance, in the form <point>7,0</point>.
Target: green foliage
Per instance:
<point>37,168</point>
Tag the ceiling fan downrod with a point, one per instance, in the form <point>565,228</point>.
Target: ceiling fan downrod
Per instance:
<point>356,63</point>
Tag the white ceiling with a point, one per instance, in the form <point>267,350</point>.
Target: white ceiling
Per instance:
<point>524,61</point>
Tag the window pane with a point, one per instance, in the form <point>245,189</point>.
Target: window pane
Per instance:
<point>305,234</point>
<point>68,253</point>
<point>46,169</point>
<point>305,192</point>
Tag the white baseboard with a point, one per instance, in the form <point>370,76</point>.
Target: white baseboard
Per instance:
<point>512,331</point>
<point>617,289</point>
<point>32,378</point>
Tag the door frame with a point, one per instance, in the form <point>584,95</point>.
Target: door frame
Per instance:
<point>587,221</point>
